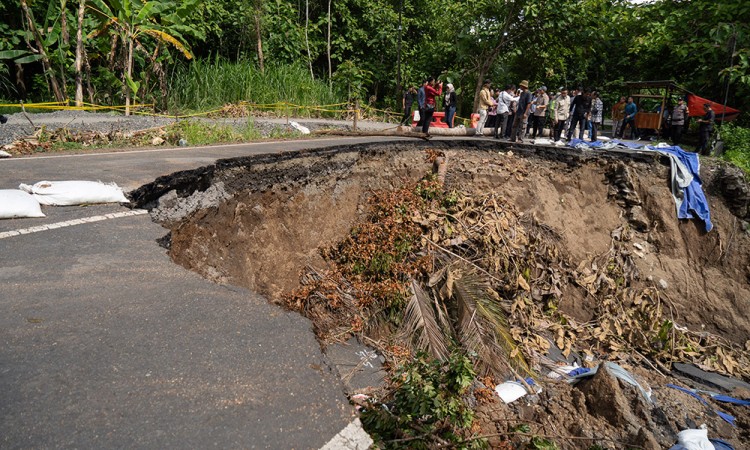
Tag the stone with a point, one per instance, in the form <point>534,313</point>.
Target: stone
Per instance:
<point>663,284</point>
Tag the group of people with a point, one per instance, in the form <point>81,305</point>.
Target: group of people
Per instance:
<point>514,113</point>
<point>426,97</point>
<point>519,113</point>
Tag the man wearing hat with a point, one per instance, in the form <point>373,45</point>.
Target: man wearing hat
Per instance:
<point>679,114</point>
<point>485,102</point>
<point>522,112</point>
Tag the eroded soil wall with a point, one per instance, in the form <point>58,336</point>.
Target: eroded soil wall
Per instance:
<point>256,222</point>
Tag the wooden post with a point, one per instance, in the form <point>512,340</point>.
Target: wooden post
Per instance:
<point>356,114</point>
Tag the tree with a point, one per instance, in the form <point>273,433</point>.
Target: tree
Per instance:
<point>131,20</point>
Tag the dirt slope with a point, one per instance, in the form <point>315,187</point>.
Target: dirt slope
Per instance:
<point>258,222</point>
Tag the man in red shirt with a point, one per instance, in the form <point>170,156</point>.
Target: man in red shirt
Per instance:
<point>429,103</point>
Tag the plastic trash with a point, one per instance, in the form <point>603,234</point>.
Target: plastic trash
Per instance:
<point>510,391</point>
<point>182,143</point>
<point>300,128</point>
<point>730,419</point>
<point>4,154</point>
<point>18,204</point>
<point>67,193</point>
<point>693,439</point>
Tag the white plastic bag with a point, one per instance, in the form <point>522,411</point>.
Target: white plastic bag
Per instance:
<point>694,439</point>
<point>300,128</point>
<point>17,204</point>
<point>67,193</point>
<point>417,117</point>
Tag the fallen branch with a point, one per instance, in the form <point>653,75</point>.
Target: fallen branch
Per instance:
<point>23,110</point>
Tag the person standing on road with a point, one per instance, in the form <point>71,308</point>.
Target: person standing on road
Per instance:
<point>522,112</point>
<point>561,112</point>
<point>581,113</point>
<point>429,102</point>
<point>485,102</point>
<point>618,113</point>
<point>540,112</point>
<point>629,119</point>
<point>679,114</point>
<point>450,103</point>
<point>706,128</point>
<point>420,103</point>
<point>597,114</point>
<point>409,96</point>
<point>504,102</point>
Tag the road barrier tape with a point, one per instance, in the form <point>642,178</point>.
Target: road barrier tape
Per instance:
<point>65,106</point>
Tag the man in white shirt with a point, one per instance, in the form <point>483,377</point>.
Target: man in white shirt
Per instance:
<point>503,109</point>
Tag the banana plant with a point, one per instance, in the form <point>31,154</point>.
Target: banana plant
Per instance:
<point>132,20</point>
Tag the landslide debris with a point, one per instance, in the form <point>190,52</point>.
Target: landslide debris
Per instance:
<point>471,268</point>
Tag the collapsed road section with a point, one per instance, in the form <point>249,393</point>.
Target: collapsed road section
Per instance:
<point>565,271</point>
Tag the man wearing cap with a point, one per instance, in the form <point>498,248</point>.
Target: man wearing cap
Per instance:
<point>522,112</point>
<point>485,102</point>
<point>706,127</point>
<point>540,112</point>
<point>679,114</point>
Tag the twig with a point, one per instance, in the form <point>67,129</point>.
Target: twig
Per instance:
<point>23,110</point>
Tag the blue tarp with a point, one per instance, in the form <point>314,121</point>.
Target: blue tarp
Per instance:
<point>694,204</point>
<point>690,200</point>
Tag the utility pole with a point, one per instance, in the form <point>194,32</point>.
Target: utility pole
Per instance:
<point>729,75</point>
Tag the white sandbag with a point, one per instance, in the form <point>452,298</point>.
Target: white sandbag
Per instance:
<point>67,193</point>
<point>17,204</point>
<point>302,129</point>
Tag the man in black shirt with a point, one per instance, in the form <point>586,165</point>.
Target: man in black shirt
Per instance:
<point>409,96</point>
<point>581,106</point>
<point>522,112</point>
<point>706,127</point>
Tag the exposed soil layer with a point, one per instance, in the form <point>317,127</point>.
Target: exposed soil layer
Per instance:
<point>258,222</point>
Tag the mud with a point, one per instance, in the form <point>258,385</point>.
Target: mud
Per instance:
<point>258,222</point>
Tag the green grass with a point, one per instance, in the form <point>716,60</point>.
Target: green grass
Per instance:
<point>207,84</point>
<point>737,144</point>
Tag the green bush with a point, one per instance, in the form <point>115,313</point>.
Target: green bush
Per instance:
<point>427,406</point>
<point>210,83</point>
<point>737,145</point>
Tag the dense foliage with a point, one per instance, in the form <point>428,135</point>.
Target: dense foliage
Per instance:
<point>737,145</point>
<point>370,48</point>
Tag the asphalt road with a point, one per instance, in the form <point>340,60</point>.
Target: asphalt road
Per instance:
<point>105,343</point>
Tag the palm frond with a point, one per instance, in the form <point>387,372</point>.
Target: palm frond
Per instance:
<point>421,325</point>
<point>483,328</point>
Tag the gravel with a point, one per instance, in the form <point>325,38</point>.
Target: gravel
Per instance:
<point>18,126</point>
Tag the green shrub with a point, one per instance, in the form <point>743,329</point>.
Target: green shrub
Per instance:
<point>737,145</point>
<point>427,406</point>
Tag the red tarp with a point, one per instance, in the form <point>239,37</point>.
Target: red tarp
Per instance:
<point>695,105</point>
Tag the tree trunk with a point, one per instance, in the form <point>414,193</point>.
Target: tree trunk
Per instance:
<point>259,38</point>
<point>307,41</point>
<point>64,22</point>
<point>79,53</point>
<point>480,82</point>
<point>40,46</point>
<point>130,76</point>
<point>328,46</point>
<point>112,51</point>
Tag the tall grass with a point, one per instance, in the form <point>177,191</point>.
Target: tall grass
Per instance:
<point>205,84</point>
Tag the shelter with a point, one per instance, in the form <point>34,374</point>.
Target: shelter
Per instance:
<point>662,92</point>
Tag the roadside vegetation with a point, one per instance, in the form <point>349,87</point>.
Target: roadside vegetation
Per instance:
<point>737,145</point>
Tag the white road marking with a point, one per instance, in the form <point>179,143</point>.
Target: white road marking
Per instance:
<point>70,223</point>
<point>353,437</point>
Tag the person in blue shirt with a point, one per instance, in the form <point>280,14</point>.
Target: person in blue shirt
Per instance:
<point>630,111</point>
